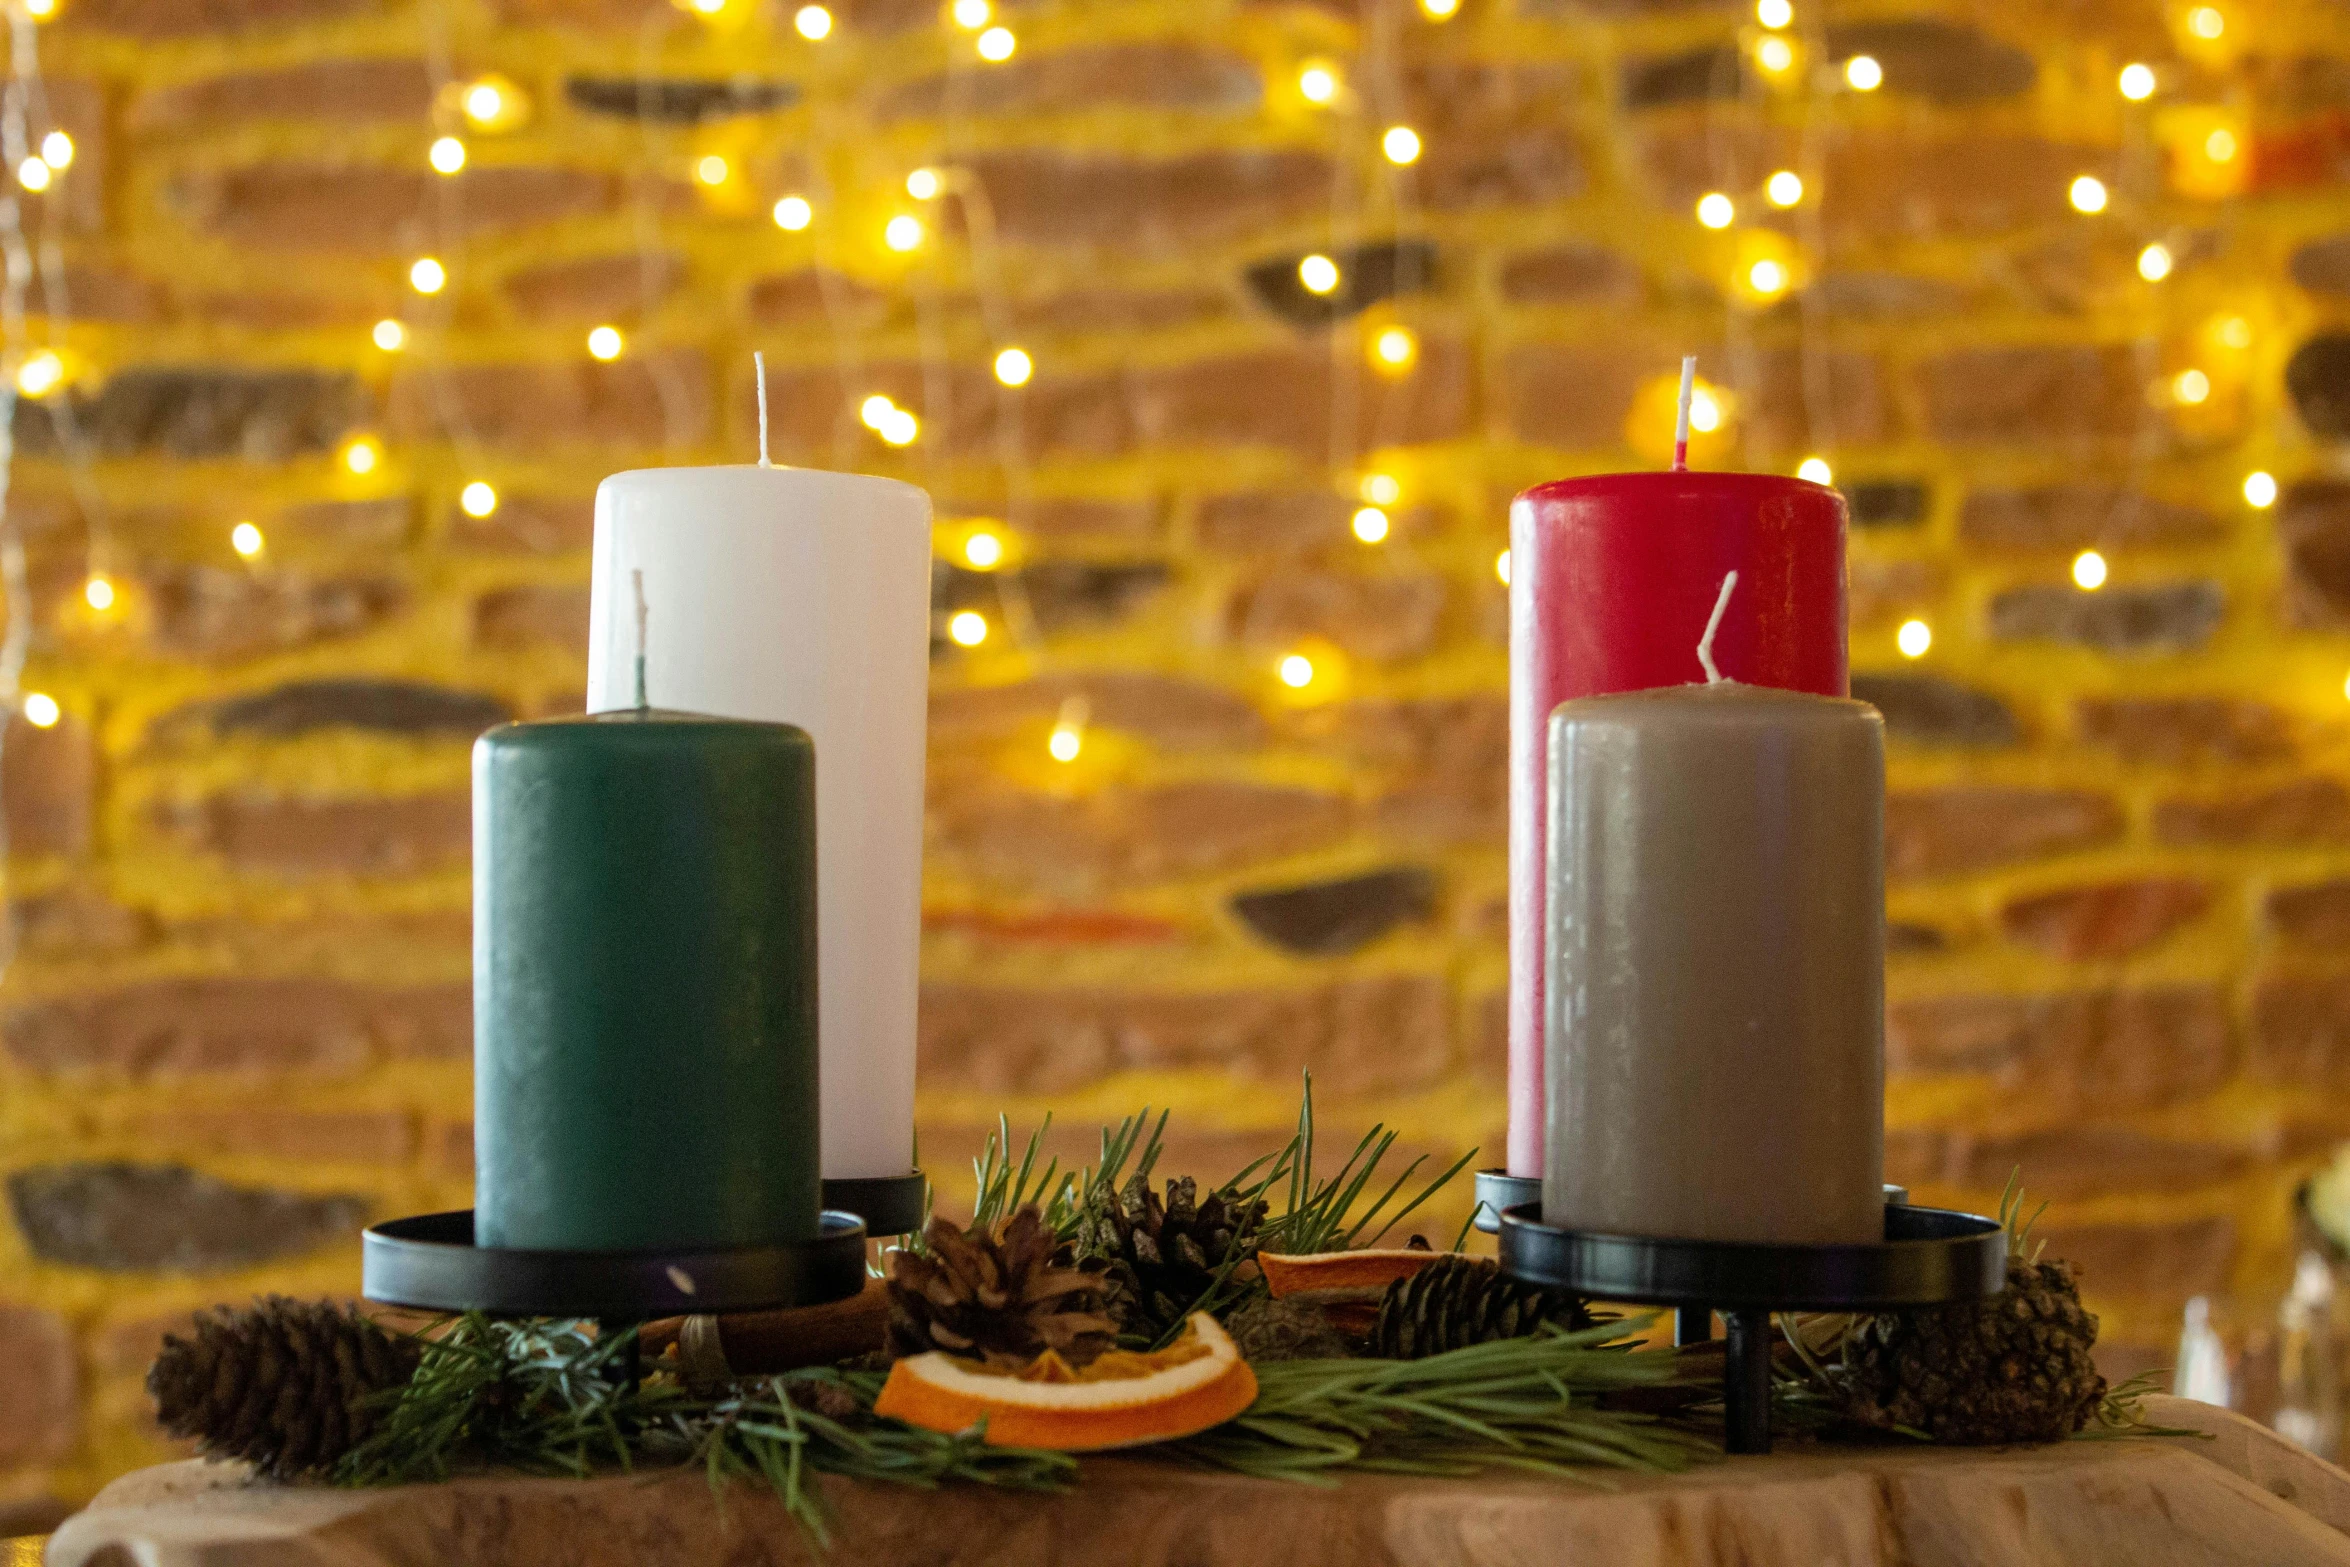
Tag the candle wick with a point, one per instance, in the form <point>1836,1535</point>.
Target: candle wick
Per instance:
<point>1681,425</point>
<point>637,579</point>
<point>1713,623</point>
<point>759,369</point>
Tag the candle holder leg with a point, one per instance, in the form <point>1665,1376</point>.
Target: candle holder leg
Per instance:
<point>1746,1381</point>
<point>1693,1325</point>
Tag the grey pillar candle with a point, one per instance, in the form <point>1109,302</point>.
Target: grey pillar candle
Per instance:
<point>1715,990</point>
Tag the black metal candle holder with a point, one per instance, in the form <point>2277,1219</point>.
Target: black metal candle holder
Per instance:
<point>889,1204</point>
<point>1928,1256</point>
<point>1498,1191</point>
<point>431,1262</point>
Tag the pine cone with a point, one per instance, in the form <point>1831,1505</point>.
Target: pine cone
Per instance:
<point>1001,1298</point>
<point>2015,1368</point>
<point>282,1384</point>
<point>1159,1257</point>
<point>1267,1330</point>
<point>1457,1301</point>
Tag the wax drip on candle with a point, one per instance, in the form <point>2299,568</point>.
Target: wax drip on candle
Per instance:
<point>759,375</point>
<point>1681,424</point>
<point>1713,623</point>
<point>637,580</point>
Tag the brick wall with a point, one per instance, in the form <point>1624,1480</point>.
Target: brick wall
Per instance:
<point>2120,832</point>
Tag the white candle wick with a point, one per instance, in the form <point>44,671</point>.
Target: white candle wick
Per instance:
<point>1713,623</point>
<point>1681,424</point>
<point>759,375</point>
<point>637,580</point>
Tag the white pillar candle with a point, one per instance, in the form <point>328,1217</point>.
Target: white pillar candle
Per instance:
<point>801,597</point>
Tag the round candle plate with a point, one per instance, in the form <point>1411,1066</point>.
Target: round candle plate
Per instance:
<point>1498,1191</point>
<point>1928,1255</point>
<point>889,1204</point>
<point>431,1262</point>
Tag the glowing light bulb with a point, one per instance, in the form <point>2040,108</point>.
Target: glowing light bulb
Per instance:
<point>2191,386</point>
<point>972,15</point>
<point>1395,348</point>
<point>1317,84</point>
<point>1774,55</point>
<point>1767,277</point>
<point>2137,82</point>
<point>390,335</point>
<point>1065,743</point>
<point>2220,145</point>
<point>1441,10</point>
<point>245,539</point>
<point>1318,273</point>
<point>1297,671</point>
<point>1705,412</point>
<point>873,410</point>
<point>1774,14</point>
<point>485,103</point>
<point>1815,469</point>
<point>2087,194</point>
<point>1380,489</point>
<point>2088,571</point>
<point>903,233</point>
<point>34,175</point>
<point>1370,525</point>
<point>1715,210</point>
<point>40,10</point>
<point>2206,23</point>
<point>447,155</point>
<point>98,593</point>
<point>1914,637</point>
<point>997,44</point>
<point>968,627</point>
<point>983,551</point>
<point>711,169</point>
<point>1501,567</point>
<point>1862,73</point>
<point>57,150</point>
<point>2235,332</point>
<point>1785,188</point>
<point>40,374</point>
<point>478,499</point>
<point>28,710</point>
<point>362,456</point>
<point>1401,144</point>
<point>2260,490</point>
<point>1013,367</point>
<point>794,214</point>
<point>899,427</point>
<point>2154,263</point>
<point>812,22</point>
<point>428,276</point>
<point>41,710</point>
<point>604,342</point>
<point>708,7</point>
<point>922,184</point>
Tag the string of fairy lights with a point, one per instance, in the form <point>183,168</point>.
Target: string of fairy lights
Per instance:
<point>1766,260</point>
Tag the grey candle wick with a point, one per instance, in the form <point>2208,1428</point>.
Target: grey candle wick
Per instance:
<point>636,579</point>
<point>1713,623</point>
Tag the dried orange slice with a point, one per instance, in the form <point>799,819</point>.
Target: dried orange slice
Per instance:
<point>1121,1399</point>
<point>1374,1270</point>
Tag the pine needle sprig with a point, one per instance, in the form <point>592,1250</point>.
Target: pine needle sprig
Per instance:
<point>1524,1403</point>
<point>2122,1412</point>
<point>1323,1217</point>
<point>1060,1195</point>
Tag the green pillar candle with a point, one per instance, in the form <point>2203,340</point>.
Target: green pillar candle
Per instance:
<point>644,934</point>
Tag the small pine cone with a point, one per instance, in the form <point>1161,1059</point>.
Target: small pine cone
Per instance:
<point>1268,1330</point>
<point>1158,1256</point>
<point>1000,1297</point>
<point>1457,1301</point>
<point>283,1384</point>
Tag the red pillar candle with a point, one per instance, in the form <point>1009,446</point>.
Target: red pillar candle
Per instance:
<point>1611,580</point>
